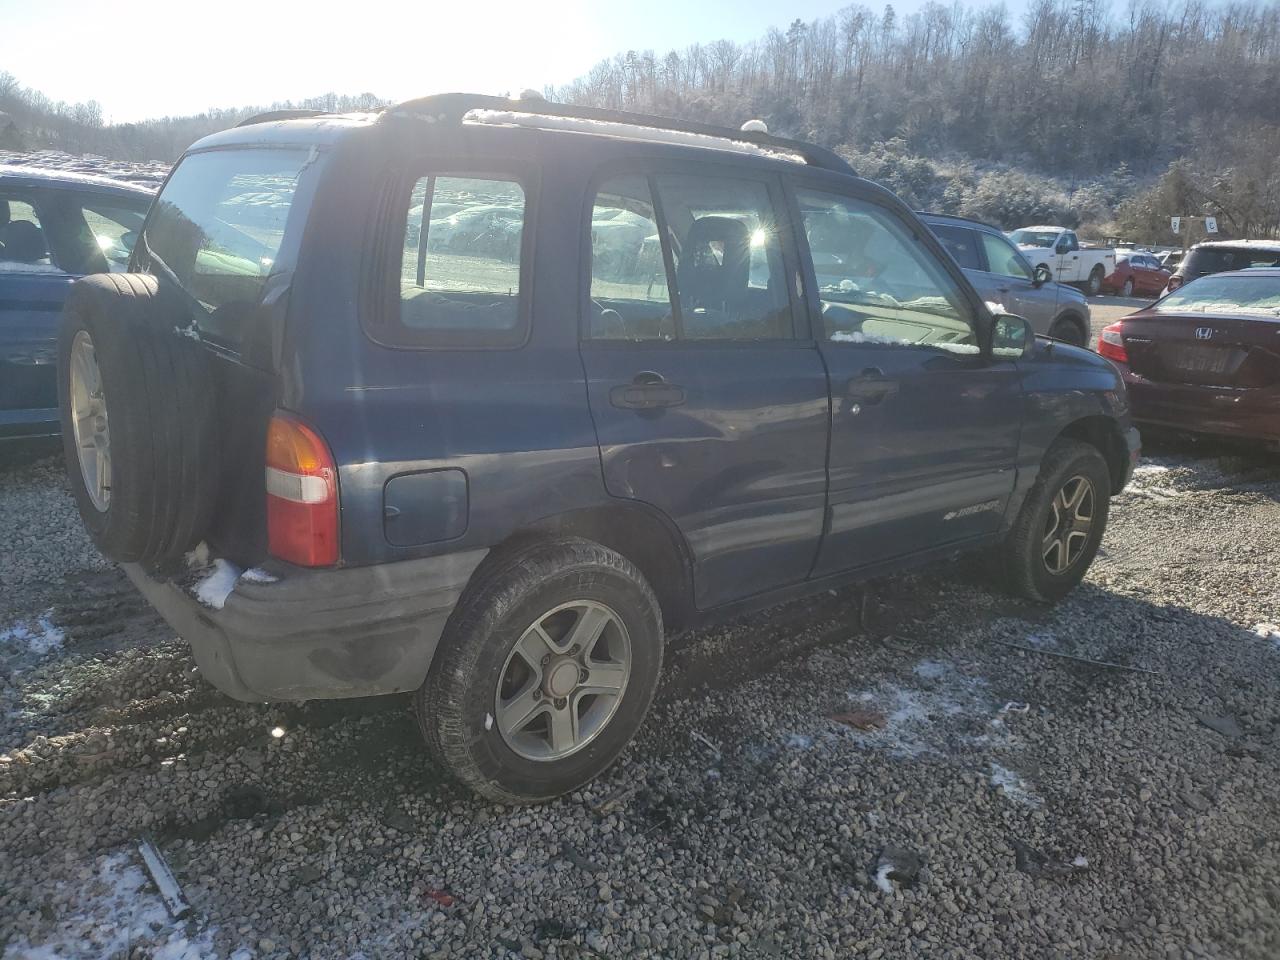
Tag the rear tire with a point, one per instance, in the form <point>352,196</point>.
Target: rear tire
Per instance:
<point>483,678</point>
<point>1094,284</point>
<point>1049,549</point>
<point>149,496</point>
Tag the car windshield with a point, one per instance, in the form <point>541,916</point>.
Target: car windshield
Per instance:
<point>1034,238</point>
<point>1256,296</point>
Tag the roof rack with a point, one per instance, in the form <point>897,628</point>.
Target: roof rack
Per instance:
<point>453,107</point>
<point>273,115</point>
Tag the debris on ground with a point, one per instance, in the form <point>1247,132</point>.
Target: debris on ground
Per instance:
<point>862,719</point>
<point>896,863</point>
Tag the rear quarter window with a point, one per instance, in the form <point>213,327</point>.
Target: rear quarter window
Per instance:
<point>461,264</point>
<point>218,227</point>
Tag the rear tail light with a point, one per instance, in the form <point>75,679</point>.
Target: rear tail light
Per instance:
<point>1175,282</point>
<point>302,494</point>
<point>1111,343</point>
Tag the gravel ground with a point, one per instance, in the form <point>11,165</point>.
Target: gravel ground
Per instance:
<point>872,773</point>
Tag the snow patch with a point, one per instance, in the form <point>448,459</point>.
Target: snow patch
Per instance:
<point>116,913</point>
<point>1042,641</point>
<point>1149,469</point>
<point>38,636</point>
<point>930,669</point>
<point>215,586</point>
<point>882,878</point>
<point>1013,786</point>
<point>258,575</point>
<point>198,557</point>
<point>798,741</point>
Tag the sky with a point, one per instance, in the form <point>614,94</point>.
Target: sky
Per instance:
<point>184,57</point>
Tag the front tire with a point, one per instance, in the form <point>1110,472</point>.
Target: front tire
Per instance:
<point>545,671</point>
<point>1069,331</point>
<point>1061,524</point>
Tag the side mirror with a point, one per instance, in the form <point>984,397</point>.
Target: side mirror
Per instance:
<point>1011,336</point>
<point>1042,274</point>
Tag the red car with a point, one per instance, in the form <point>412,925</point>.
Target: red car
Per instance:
<point>1136,274</point>
<point>1206,358</point>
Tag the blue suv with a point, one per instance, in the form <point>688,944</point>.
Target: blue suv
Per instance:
<point>481,399</point>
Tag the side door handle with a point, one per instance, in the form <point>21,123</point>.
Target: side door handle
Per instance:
<point>871,386</point>
<point>646,391</point>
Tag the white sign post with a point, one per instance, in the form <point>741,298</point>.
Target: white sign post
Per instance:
<point>1176,224</point>
<point>1210,224</point>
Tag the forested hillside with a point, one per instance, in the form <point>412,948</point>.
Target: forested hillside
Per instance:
<point>1108,117</point>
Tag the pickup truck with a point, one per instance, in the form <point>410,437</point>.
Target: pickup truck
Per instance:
<point>1070,262</point>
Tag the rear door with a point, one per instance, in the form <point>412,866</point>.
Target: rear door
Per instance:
<point>925,424</point>
<point>709,399</point>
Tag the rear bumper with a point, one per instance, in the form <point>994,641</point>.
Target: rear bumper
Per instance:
<point>1249,414</point>
<point>319,634</point>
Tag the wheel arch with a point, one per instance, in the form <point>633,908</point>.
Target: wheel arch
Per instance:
<point>1103,433</point>
<point>638,532</point>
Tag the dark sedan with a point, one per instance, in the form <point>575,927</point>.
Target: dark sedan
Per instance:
<point>54,227</point>
<point>1206,358</point>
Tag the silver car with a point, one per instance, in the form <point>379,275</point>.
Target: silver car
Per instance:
<point>1000,272</point>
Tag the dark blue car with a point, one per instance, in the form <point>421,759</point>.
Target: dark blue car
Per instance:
<point>54,227</point>
<point>482,399</point>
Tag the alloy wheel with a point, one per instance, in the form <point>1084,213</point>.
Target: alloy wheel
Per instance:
<point>563,681</point>
<point>89,421</point>
<point>1067,528</point>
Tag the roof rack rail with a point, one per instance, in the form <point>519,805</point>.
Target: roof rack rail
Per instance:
<point>452,107</point>
<point>272,115</point>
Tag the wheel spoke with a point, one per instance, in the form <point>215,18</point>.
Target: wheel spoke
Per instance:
<point>564,728</point>
<point>604,678</point>
<point>1056,548</point>
<point>535,646</point>
<point>519,712</point>
<point>591,624</point>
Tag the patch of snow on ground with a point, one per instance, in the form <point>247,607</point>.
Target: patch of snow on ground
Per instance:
<point>882,878</point>
<point>1268,631</point>
<point>930,669</point>
<point>916,720</point>
<point>1042,641</point>
<point>1149,469</point>
<point>115,912</point>
<point>798,741</point>
<point>1014,787</point>
<point>258,575</point>
<point>38,637</point>
<point>214,587</point>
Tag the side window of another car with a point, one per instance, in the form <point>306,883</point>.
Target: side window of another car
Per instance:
<point>1003,258</point>
<point>717,274</point>
<point>877,281</point>
<point>23,245</point>
<point>113,229</point>
<point>460,270</point>
<point>961,243</point>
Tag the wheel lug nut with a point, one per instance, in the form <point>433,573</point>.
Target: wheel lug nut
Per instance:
<point>560,703</point>
<point>573,649</point>
<point>546,659</point>
<point>537,694</point>
<point>582,677</point>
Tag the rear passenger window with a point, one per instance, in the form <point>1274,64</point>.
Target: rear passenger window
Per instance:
<point>460,267</point>
<point>725,279</point>
<point>961,243</point>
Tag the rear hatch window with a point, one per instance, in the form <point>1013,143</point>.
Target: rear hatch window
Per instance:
<point>217,230</point>
<point>1206,260</point>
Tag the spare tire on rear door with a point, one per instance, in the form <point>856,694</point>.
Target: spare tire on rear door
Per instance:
<point>137,404</point>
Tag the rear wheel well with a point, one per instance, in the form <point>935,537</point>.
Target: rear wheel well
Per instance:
<point>637,534</point>
<point>1102,432</point>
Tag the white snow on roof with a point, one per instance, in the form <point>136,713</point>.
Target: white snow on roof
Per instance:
<point>1242,244</point>
<point>627,131</point>
<point>69,176</point>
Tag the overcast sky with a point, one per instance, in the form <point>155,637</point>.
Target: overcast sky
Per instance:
<point>183,57</point>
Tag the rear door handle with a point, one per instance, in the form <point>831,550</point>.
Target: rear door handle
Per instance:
<point>646,391</point>
<point>871,386</point>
